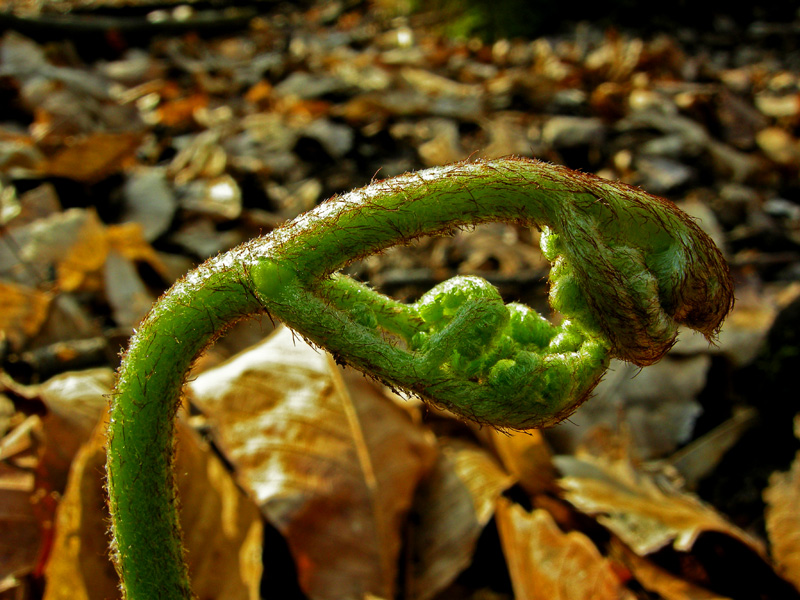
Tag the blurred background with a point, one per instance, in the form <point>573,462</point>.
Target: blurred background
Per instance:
<point>140,137</point>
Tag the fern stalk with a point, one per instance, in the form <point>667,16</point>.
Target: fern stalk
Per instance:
<point>628,269</point>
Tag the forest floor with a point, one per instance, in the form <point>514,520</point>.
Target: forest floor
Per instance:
<point>131,149</point>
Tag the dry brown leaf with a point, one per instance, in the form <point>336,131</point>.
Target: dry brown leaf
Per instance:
<point>44,243</point>
<point>126,293</point>
<point>658,580</point>
<point>128,239</point>
<point>646,513</point>
<point>783,521</point>
<point>20,447</point>
<point>94,157</point>
<point>46,445</point>
<point>222,528</point>
<point>526,455</point>
<point>78,268</point>
<point>657,405</point>
<point>8,413</point>
<point>699,458</point>
<point>20,535</point>
<point>547,564</point>
<point>333,467</point>
<point>23,311</point>
<point>453,506</point>
<point>180,111</point>
<point>77,244</point>
<point>78,566</point>
<point>75,401</point>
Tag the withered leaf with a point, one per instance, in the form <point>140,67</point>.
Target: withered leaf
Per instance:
<point>75,401</point>
<point>180,112</point>
<point>78,268</point>
<point>646,513</point>
<point>453,506</point>
<point>23,311</point>
<point>333,465</point>
<point>126,293</point>
<point>45,445</point>
<point>129,240</point>
<point>93,157</point>
<point>783,521</point>
<point>546,563</point>
<point>526,455</point>
<point>657,579</point>
<point>79,567</point>
<point>222,528</point>
<point>20,534</point>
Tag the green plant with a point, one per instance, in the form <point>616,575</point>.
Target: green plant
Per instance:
<point>628,269</point>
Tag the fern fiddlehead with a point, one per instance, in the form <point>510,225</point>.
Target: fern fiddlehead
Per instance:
<point>628,270</point>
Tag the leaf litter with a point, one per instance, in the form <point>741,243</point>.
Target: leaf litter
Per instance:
<point>119,172</point>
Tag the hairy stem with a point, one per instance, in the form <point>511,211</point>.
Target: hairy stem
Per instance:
<point>628,269</point>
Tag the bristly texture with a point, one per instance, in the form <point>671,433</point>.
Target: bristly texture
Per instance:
<point>628,269</point>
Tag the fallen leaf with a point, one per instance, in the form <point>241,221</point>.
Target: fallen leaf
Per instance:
<point>699,458</point>
<point>180,111</point>
<point>34,250</point>
<point>646,512</point>
<point>79,567</point>
<point>80,265</point>
<point>23,311</point>
<point>93,157</point>
<point>8,414</point>
<point>526,455</point>
<point>75,401</point>
<point>333,465</point>
<point>20,446</point>
<point>546,563</point>
<point>657,579</point>
<point>127,294</point>
<point>20,535</point>
<point>783,521</point>
<point>222,527</point>
<point>125,291</point>
<point>453,506</point>
<point>656,404</point>
<point>129,240</point>
<point>40,202</point>
<point>45,445</point>
<point>149,201</point>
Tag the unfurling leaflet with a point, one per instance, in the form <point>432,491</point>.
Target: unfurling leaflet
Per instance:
<point>628,269</point>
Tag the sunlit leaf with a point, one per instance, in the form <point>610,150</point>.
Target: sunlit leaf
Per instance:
<point>332,463</point>
<point>78,268</point>
<point>20,535</point>
<point>525,454</point>
<point>783,521</point>
<point>93,157</point>
<point>646,512</point>
<point>546,564</point>
<point>453,506</point>
<point>23,311</point>
<point>222,528</point>
<point>75,401</point>
<point>658,580</point>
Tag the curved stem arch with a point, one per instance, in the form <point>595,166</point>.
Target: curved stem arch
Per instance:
<point>628,269</point>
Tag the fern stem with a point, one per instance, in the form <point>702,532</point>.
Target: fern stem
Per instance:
<point>629,268</point>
